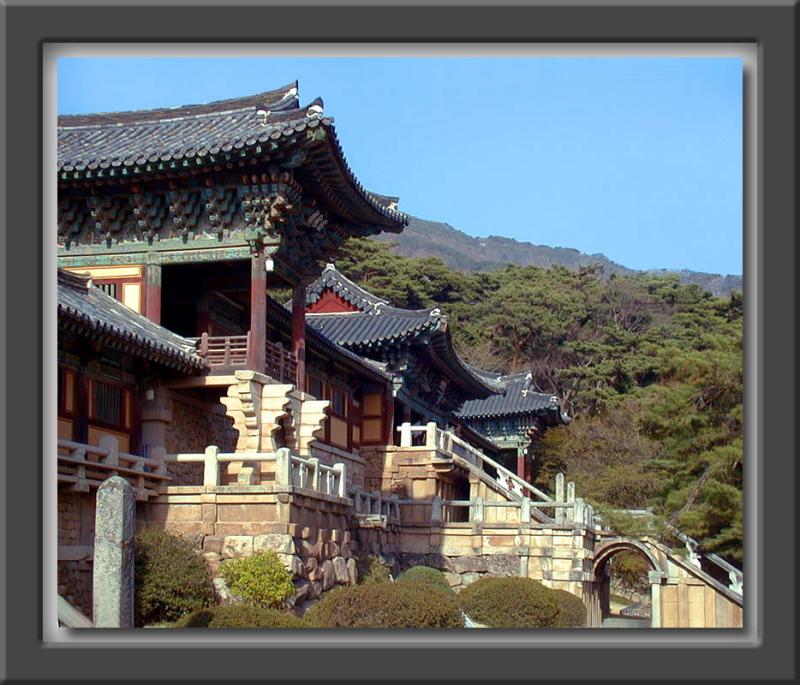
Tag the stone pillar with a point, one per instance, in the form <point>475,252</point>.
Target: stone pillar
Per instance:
<point>256,352</point>
<point>152,292</point>
<point>156,414</point>
<point>570,513</point>
<point>436,509</point>
<point>655,599</point>
<point>115,523</point>
<point>560,511</point>
<point>299,333</point>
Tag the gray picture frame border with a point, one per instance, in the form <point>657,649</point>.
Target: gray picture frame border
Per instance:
<point>772,26</point>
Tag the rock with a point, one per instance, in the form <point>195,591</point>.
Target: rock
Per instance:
<point>316,589</point>
<point>312,565</point>
<point>302,588</point>
<point>333,550</point>
<point>502,564</point>
<point>306,549</point>
<point>470,564</point>
<point>328,575</point>
<point>340,570</point>
<point>346,551</point>
<point>293,563</point>
<point>221,592</point>
<point>213,543</point>
<point>352,571</point>
<point>469,578</point>
<point>237,546</point>
<point>282,544</point>
<point>213,560</point>
<point>454,579</point>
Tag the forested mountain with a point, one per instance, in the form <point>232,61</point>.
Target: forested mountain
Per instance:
<point>458,250</point>
<point>650,369</point>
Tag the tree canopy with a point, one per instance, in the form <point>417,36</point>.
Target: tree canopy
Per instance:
<point>651,370</point>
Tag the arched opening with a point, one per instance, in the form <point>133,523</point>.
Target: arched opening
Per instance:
<point>623,594</point>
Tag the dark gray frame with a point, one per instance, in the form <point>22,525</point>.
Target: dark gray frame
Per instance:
<point>772,26</point>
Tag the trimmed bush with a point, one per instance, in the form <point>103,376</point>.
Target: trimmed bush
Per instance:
<point>373,570</point>
<point>426,575</point>
<point>385,605</point>
<point>170,578</point>
<point>571,610</point>
<point>510,603</point>
<point>240,616</point>
<point>260,579</point>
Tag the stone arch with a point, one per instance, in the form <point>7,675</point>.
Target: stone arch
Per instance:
<point>611,547</point>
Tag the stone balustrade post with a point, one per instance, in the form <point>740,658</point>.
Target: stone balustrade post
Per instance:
<point>430,435</point>
<point>525,510</point>
<point>283,466</point>
<point>111,445</point>
<point>436,510</point>
<point>211,466</point>
<point>570,513</point>
<point>476,510</point>
<point>405,435</point>
<point>560,512</point>
<point>579,513</point>
<point>356,492</point>
<point>112,582</point>
<point>315,478</point>
<point>340,469</point>
<point>376,497</point>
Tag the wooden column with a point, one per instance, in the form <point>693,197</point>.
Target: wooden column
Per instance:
<point>299,333</point>
<point>256,352</point>
<point>152,292</point>
<point>388,418</point>
<point>521,464</point>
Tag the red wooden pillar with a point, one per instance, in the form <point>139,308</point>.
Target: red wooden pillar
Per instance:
<point>257,348</point>
<point>152,292</point>
<point>521,470</point>
<point>299,333</point>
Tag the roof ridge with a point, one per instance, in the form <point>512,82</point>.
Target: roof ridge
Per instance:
<point>286,97</point>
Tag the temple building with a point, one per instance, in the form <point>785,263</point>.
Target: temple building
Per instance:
<point>256,398</point>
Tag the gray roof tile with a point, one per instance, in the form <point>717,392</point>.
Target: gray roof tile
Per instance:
<point>86,305</point>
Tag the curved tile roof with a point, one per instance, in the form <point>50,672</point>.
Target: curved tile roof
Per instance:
<point>337,282</point>
<point>89,307</point>
<point>380,325</point>
<point>515,399</point>
<point>144,141</point>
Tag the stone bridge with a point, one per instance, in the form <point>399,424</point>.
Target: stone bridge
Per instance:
<point>684,594</point>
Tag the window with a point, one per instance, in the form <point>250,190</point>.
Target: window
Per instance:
<point>339,403</point>
<point>110,404</point>
<point>109,289</point>
<point>315,387</point>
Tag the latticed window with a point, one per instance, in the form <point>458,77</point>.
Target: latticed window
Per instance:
<point>109,289</point>
<point>108,403</point>
<point>339,404</point>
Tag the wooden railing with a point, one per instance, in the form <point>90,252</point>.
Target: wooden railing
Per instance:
<point>87,466</point>
<point>228,350</point>
<point>281,364</point>
<point>225,351</point>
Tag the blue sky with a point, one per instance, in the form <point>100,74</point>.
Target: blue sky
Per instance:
<point>637,158</point>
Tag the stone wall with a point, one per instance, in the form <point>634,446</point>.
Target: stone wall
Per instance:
<point>194,426</point>
<point>313,535</point>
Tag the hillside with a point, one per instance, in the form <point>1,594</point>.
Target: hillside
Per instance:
<point>422,238</point>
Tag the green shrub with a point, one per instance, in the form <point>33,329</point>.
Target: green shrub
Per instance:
<point>373,570</point>
<point>431,577</point>
<point>240,616</point>
<point>509,603</point>
<point>170,578</point>
<point>571,610</point>
<point>260,579</point>
<point>385,605</point>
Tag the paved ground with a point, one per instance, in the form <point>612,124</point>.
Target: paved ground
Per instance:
<point>625,622</point>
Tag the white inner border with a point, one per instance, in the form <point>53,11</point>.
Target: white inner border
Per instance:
<point>750,636</point>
